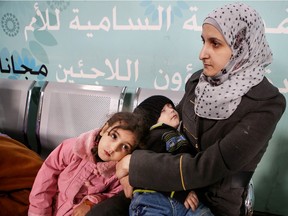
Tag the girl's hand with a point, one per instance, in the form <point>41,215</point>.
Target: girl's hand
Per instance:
<point>122,167</point>
<point>82,209</point>
<point>191,201</point>
<point>128,189</point>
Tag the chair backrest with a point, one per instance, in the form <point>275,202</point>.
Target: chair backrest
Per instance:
<point>15,96</point>
<point>143,93</point>
<point>250,199</point>
<point>67,110</point>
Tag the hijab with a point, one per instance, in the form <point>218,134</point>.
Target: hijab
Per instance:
<point>243,29</point>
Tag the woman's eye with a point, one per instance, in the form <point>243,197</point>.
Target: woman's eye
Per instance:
<point>215,44</point>
<point>202,39</point>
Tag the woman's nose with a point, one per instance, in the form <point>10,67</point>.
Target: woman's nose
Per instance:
<point>203,53</point>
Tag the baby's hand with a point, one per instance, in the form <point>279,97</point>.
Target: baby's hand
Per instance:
<point>82,209</point>
<point>191,201</point>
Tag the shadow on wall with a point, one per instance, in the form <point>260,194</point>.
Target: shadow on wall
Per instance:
<point>271,176</point>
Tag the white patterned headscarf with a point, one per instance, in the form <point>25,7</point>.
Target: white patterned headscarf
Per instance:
<point>243,29</point>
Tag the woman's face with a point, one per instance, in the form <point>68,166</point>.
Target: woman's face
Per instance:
<point>215,53</point>
<point>115,143</point>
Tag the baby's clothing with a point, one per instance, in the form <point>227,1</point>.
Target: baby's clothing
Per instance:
<point>164,138</point>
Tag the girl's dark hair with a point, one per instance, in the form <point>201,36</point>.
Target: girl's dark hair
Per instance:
<point>127,121</point>
<point>130,121</point>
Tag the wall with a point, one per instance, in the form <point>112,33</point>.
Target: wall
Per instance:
<point>152,44</point>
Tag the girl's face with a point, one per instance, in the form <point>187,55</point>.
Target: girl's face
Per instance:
<point>115,143</point>
<point>215,53</point>
<point>169,116</point>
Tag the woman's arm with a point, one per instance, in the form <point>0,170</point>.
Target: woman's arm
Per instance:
<point>246,141</point>
<point>165,172</point>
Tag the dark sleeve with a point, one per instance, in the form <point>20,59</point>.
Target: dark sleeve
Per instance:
<point>249,138</point>
<point>178,169</point>
<point>154,141</point>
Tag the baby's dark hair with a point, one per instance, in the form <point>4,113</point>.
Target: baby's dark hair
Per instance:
<point>151,108</point>
<point>131,122</point>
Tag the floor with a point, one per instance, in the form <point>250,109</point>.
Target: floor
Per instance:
<point>255,213</point>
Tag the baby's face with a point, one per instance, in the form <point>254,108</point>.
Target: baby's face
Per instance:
<point>169,116</point>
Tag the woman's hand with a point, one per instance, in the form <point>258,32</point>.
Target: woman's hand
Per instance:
<point>82,209</point>
<point>191,201</point>
<point>122,167</point>
<point>128,189</point>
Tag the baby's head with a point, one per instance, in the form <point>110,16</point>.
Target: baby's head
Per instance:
<point>121,134</point>
<point>158,109</point>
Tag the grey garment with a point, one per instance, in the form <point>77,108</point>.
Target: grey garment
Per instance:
<point>243,29</point>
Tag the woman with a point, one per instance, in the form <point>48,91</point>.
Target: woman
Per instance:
<point>229,113</point>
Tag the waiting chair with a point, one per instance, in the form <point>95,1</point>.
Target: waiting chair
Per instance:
<point>68,109</point>
<point>143,93</point>
<point>250,199</point>
<point>15,97</point>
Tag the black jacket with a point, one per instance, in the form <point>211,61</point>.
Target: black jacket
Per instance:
<point>228,150</point>
<point>164,138</point>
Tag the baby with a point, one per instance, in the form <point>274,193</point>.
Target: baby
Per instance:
<point>160,114</point>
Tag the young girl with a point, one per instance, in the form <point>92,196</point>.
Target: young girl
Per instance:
<point>80,172</point>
